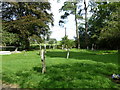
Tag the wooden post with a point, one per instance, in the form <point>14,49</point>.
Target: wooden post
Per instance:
<point>43,61</point>
<point>68,53</point>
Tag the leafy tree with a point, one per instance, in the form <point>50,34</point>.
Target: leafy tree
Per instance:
<point>68,43</point>
<point>111,31</point>
<point>86,23</point>
<point>26,19</point>
<point>104,25</point>
<point>72,8</point>
<point>36,39</point>
<point>52,41</point>
<point>9,38</point>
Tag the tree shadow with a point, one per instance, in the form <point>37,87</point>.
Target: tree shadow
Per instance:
<point>37,69</point>
<point>77,75</point>
<point>85,74</point>
<point>102,57</point>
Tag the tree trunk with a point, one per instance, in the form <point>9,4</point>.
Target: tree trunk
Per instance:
<point>53,46</point>
<point>43,61</point>
<point>27,44</point>
<point>49,46</point>
<point>77,33</point>
<point>118,58</point>
<point>40,46</point>
<point>95,47</point>
<point>86,24</point>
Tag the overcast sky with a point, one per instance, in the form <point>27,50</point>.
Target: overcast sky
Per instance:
<point>57,31</point>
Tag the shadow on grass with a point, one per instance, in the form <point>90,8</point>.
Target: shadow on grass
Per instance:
<point>106,57</point>
<point>86,74</point>
<point>37,69</point>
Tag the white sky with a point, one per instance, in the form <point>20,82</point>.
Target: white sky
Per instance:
<point>57,31</point>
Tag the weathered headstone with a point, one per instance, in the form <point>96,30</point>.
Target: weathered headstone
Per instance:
<point>87,47</point>
<point>62,46</point>
<point>92,46</point>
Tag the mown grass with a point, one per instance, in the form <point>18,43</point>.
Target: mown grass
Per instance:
<point>84,69</point>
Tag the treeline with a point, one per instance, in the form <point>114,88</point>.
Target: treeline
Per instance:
<point>104,25</point>
<point>26,22</point>
<point>101,30</point>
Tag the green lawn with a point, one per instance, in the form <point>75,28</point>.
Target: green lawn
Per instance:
<point>84,69</point>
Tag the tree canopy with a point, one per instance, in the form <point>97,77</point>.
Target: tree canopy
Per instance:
<point>104,25</point>
<point>72,8</point>
<point>24,22</point>
<point>26,19</point>
<point>68,43</point>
